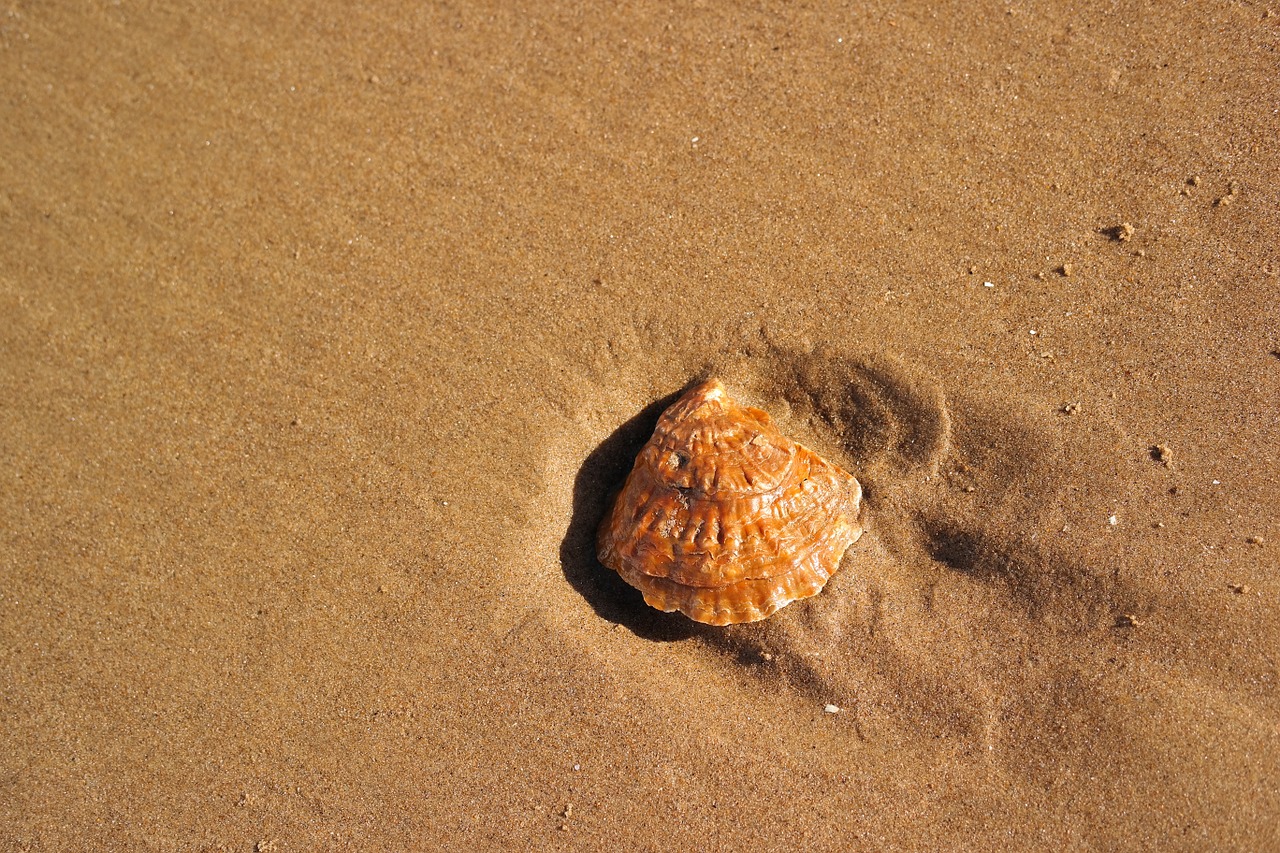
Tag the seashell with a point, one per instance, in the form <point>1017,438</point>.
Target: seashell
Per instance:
<point>726,519</point>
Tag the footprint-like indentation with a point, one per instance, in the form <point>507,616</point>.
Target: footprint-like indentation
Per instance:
<point>1042,583</point>
<point>889,420</point>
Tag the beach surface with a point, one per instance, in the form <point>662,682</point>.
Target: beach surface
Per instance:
<point>327,331</point>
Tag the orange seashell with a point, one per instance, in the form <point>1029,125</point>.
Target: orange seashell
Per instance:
<point>726,519</point>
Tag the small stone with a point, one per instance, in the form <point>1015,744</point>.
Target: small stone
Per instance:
<point>1071,408</point>
<point>1159,525</point>
<point>1065,270</point>
<point>1256,540</point>
<point>1122,232</point>
<point>832,709</point>
<point>768,657</point>
<point>1239,588</point>
<point>1163,454</point>
<point>1126,620</point>
<point>1113,521</point>
<point>988,284</point>
<point>1194,180</point>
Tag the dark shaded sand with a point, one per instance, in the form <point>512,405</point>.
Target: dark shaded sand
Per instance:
<point>326,332</point>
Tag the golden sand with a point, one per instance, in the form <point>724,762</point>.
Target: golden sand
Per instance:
<point>327,330</point>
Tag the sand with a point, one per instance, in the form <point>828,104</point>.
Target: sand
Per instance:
<point>325,333</point>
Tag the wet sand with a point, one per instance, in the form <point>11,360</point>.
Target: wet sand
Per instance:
<point>326,333</point>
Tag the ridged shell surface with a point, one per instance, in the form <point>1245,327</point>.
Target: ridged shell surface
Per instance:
<point>724,518</point>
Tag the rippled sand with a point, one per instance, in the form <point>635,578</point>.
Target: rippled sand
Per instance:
<point>325,334</point>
